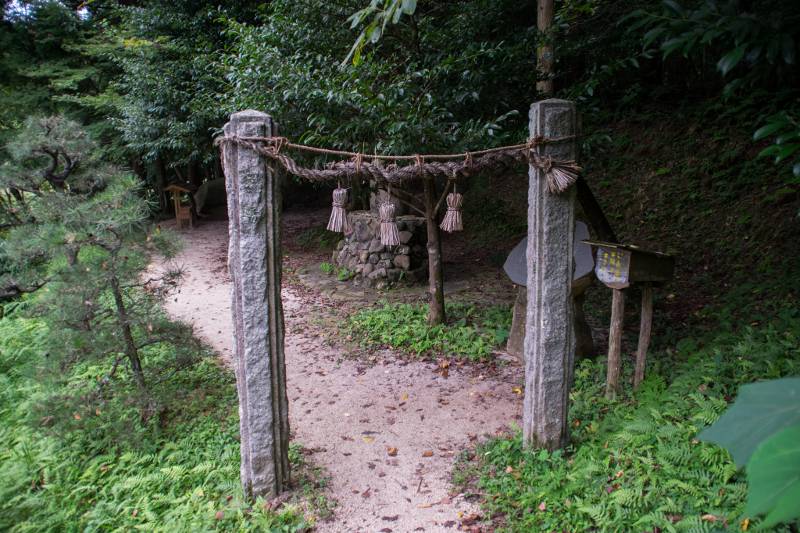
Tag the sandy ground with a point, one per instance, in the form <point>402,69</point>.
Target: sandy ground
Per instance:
<point>350,412</point>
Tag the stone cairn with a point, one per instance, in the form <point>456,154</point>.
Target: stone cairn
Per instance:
<point>362,253</point>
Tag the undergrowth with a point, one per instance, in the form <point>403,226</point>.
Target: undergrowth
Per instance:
<point>64,472</point>
<point>635,464</point>
<point>471,332</point>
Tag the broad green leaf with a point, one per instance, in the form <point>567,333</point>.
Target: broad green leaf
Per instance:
<point>731,59</point>
<point>773,474</point>
<point>760,410</point>
<point>409,6</point>
<point>765,131</point>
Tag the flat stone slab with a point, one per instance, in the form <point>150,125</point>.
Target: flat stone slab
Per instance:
<point>584,261</point>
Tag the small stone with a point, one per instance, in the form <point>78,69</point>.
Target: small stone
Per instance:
<point>373,258</point>
<point>340,245</point>
<point>375,246</point>
<point>405,236</point>
<point>377,273</point>
<point>363,256</point>
<point>402,261</point>
<point>367,269</point>
<point>386,255</point>
<point>402,250</point>
<point>385,263</point>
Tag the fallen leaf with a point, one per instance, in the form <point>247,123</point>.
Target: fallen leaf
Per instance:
<point>427,453</point>
<point>76,416</point>
<point>542,506</point>
<point>404,397</point>
<point>509,469</point>
<point>709,518</point>
<point>392,518</point>
<point>745,524</point>
<point>368,440</point>
<point>220,515</point>
<point>391,451</point>
<point>517,390</point>
<point>470,519</point>
<point>135,512</point>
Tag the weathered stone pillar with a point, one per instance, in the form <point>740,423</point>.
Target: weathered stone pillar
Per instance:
<point>549,334</point>
<point>254,261</point>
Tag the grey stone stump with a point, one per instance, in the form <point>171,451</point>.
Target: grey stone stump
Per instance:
<point>549,334</point>
<point>254,261</point>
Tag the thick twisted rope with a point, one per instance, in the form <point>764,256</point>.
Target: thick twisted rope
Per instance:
<point>560,175</point>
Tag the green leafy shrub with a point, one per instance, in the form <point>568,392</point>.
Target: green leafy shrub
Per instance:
<point>179,473</point>
<point>471,332</point>
<point>636,464</point>
<point>762,432</point>
<point>327,268</point>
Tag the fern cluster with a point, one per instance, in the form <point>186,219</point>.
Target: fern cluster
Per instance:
<point>636,464</point>
<point>180,474</point>
<point>471,331</point>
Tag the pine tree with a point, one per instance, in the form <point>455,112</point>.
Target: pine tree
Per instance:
<point>77,239</point>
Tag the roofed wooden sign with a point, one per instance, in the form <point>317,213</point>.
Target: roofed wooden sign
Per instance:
<point>620,265</point>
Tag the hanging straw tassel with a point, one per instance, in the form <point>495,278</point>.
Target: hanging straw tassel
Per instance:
<point>560,175</point>
<point>389,233</point>
<point>452,219</point>
<point>338,221</point>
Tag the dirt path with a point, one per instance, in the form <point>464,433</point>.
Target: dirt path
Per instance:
<point>349,413</point>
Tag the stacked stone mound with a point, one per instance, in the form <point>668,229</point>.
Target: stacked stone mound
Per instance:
<point>374,264</point>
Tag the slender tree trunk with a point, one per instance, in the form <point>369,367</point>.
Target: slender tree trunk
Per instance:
<point>544,52</point>
<point>161,182</point>
<point>436,312</point>
<point>124,323</point>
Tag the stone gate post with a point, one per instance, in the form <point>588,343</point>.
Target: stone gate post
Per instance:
<point>549,334</point>
<point>254,262</point>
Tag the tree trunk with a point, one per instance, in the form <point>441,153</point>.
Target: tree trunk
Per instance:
<point>436,312</point>
<point>161,182</point>
<point>124,323</point>
<point>544,52</point>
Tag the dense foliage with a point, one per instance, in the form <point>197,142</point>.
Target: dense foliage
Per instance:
<point>636,464</point>
<point>472,332</point>
<point>67,470</point>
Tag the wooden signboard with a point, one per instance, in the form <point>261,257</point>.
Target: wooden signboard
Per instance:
<point>619,266</point>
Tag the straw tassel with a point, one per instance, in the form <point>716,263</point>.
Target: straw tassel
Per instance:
<point>452,218</point>
<point>560,175</point>
<point>338,221</point>
<point>389,234</point>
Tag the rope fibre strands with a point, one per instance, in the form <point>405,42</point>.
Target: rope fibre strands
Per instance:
<point>389,234</point>
<point>560,175</point>
<point>338,221</point>
<point>452,218</point>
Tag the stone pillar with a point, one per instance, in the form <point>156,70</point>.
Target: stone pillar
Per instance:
<point>254,261</point>
<point>549,333</point>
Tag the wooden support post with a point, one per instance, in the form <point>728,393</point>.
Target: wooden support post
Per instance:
<point>549,333</point>
<point>645,328</point>
<point>436,311</point>
<point>254,260</point>
<point>615,343</point>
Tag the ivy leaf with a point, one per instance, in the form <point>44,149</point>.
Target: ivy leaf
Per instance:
<point>773,474</point>
<point>760,411</point>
